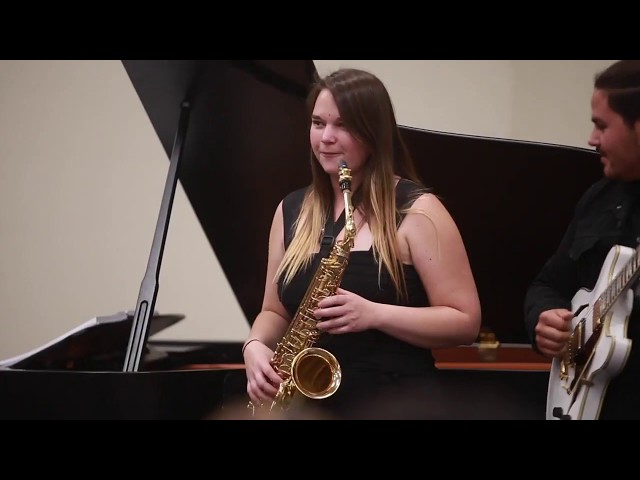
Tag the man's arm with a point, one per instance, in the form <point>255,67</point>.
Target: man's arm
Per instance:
<point>553,287</point>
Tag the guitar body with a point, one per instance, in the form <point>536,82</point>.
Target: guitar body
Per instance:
<point>599,347</point>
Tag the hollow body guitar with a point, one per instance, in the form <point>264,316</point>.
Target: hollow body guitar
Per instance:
<point>598,348</point>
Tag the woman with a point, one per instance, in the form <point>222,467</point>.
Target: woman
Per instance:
<point>408,285</point>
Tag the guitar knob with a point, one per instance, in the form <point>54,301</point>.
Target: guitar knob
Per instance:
<point>557,412</point>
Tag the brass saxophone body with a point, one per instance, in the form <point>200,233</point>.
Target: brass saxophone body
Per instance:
<point>311,371</point>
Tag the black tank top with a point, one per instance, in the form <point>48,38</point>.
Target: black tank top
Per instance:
<point>371,353</point>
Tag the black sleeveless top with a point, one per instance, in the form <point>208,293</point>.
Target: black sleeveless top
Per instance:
<point>368,359</point>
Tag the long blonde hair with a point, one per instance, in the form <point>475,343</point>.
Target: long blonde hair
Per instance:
<point>367,113</point>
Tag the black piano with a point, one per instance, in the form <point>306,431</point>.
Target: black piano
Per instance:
<point>247,139</point>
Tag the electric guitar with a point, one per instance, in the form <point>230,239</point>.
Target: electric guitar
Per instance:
<point>598,348</point>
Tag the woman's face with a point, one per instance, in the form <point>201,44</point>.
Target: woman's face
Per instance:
<point>330,140</point>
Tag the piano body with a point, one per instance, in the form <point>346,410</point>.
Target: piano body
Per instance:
<point>511,200</point>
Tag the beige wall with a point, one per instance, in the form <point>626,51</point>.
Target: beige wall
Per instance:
<point>82,176</point>
<point>537,100</point>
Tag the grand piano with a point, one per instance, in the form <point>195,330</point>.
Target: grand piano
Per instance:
<point>247,123</point>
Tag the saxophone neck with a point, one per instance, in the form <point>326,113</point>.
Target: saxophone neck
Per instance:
<point>345,186</point>
<point>349,223</point>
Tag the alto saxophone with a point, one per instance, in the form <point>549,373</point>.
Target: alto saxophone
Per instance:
<point>314,372</point>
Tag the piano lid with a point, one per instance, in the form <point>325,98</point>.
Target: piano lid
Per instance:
<point>247,139</point>
<point>247,147</point>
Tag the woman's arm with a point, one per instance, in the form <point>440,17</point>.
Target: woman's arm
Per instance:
<point>430,237</point>
<point>269,326</point>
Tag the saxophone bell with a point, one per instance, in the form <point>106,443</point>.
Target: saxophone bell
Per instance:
<point>316,373</point>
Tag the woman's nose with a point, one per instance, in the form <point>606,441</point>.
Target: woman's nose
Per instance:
<point>328,135</point>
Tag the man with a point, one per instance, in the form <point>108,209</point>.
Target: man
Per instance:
<point>608,214</point>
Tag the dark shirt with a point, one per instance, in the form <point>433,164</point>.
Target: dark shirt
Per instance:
<point>372,362</point>
<point>606,215</point>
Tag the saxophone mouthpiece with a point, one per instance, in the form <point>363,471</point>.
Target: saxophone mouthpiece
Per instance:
<point>345,176</point>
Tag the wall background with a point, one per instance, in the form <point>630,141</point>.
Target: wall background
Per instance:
<point>81,182</point>
<point>537,100</point>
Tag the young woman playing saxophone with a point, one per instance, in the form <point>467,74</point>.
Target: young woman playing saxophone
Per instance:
<point>408,285</point>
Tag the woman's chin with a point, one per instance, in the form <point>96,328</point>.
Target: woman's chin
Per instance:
<point>329,167</point>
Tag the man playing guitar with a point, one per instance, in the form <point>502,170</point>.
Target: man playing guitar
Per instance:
<point>596,359</point>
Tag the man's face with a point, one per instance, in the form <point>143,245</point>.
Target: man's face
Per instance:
<point>617,143</point>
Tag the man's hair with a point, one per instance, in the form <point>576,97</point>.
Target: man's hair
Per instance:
<point>621,82</point>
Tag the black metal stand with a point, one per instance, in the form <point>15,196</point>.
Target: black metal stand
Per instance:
<point>149,287</point>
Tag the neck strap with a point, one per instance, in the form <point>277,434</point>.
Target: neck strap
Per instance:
<point>333,228</point>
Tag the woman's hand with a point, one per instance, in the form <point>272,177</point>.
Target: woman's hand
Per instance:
<point>344,312</point>
<point>262,379</point>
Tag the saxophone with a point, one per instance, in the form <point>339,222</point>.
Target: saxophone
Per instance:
<point>311,371</point>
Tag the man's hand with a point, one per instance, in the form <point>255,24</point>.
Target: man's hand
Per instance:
<point>553,331</point>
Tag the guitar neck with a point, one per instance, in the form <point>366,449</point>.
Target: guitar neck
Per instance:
<point>619,284</point>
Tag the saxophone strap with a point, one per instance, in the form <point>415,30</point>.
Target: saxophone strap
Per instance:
<point>333,228</point>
